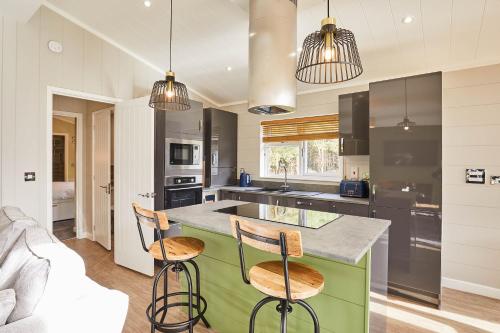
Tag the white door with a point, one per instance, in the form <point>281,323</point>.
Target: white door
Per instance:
<point>134,181</point>
<point>101,171</point>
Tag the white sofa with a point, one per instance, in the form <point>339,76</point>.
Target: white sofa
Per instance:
<point>52,292</point>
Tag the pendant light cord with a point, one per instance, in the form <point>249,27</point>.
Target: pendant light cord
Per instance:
<point>406,101</point>
<point>328,8</point>
<point>171,17</point>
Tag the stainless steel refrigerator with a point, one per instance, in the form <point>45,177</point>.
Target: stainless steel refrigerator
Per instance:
<point>220,147</point>
<point>406,180</point>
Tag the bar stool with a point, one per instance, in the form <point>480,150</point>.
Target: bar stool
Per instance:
<point>285,282</point>
<point>174,252</point>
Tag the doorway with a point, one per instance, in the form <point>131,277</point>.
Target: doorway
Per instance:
<point>65,128</point>
<point>72,168</point>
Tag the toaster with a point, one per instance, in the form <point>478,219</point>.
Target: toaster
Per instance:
<point>354,188</point>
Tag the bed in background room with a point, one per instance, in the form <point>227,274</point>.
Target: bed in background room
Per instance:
<point>63,201</point>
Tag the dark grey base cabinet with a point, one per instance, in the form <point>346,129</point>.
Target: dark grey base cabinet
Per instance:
<point>278,200</point>
<point>351,209</point>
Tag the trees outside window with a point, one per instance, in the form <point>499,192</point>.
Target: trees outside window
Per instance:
<point>314,159</point>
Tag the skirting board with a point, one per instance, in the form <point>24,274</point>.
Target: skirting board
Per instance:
<point>87,235</point>
<point>470,287</point>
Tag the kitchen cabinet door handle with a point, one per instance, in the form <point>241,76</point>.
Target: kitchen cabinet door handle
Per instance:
<point>341,145</point>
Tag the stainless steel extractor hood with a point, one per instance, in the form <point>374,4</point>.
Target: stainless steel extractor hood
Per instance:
<point>272,56</point>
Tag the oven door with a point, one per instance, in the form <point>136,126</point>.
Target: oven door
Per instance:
<point>181,197</point>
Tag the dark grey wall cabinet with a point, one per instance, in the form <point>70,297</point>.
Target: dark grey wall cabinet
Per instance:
<point>406,177</point>
<point>185,125</point>
<point>354,124</point>
<point>221,147</point>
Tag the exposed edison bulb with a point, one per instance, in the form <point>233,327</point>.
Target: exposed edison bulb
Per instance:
<point>169,92</point>
<point>406,128</point>
<point>328,54</point>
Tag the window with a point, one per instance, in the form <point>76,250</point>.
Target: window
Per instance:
<point>308,145</point>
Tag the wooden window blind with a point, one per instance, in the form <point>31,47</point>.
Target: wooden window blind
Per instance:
<point>301,129</point>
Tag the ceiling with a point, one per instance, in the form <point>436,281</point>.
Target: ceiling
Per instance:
<point>210,35</point>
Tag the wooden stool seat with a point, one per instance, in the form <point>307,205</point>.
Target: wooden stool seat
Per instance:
<point>268,277</point>
<point>177,248</point>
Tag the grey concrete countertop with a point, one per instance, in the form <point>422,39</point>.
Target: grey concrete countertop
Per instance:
<point>346,239</point>
<point>299,194</point>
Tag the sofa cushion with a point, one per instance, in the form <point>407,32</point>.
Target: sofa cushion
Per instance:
<point>7,303</point>
<point>66,278</point>
<point>29,287</point>
<point>9,214</point>
<point>20,253</point>
<point>10,233</point>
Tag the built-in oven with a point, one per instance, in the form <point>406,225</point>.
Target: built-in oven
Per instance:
<point>183,154</point>
<point>183,191</point>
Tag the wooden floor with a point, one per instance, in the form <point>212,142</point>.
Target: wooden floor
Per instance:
<point>460,312</point>
<point>64,229</point>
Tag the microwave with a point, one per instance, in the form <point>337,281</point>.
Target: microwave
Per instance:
<point>183,154</point>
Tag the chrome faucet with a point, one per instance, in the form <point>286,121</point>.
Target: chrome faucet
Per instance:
<point>284,164</point>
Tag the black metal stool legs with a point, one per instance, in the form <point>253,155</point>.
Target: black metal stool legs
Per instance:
<point>256,309</point>
<point>198,292</point>
<point>284,309</point>
<point>152,318</point>
<point>200,305</point>
<point>312,313</point>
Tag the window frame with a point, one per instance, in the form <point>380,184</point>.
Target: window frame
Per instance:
<point>303,174</point>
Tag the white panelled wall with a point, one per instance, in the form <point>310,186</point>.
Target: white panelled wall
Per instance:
<point>471,139</point>
<point>87,64</point>
<point>471,212</point>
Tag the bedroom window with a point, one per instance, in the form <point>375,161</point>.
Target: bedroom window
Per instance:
<point>309,145</point>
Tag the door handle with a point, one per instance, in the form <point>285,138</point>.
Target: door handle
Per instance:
<point>148,195</point>
<point>341,145</point>
<point>107,188</point>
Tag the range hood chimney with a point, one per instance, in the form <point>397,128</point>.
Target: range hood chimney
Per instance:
<point>272,56</point>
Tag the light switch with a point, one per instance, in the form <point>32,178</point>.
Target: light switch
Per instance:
<point>475,176</point>
<point>29,176</point>
<point>495,180</point>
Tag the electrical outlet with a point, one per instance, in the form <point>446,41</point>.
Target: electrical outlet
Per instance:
<point>495,180</point>
<point>29,177</point>
<point>354,173</point>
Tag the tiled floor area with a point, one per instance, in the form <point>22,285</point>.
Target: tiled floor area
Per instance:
<point>460,312</point>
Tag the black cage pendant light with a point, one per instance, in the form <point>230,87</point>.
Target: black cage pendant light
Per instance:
<point>329,55</point>
<point>168,94</point>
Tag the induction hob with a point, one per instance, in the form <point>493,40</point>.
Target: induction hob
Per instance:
<point>306,218</point>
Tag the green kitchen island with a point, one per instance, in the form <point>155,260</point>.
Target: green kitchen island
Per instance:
<point>340,250</point>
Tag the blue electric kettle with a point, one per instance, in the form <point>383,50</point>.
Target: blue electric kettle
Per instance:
<point>245,178</point>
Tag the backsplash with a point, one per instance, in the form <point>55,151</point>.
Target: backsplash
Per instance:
<point>297,186</point>
<point>359,164</point>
